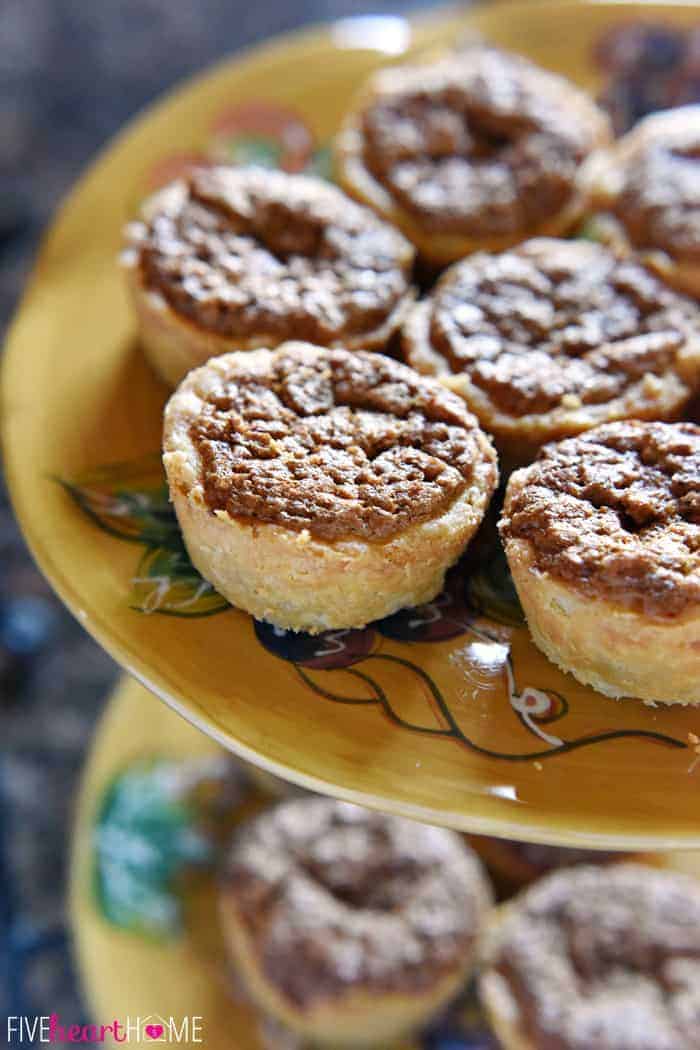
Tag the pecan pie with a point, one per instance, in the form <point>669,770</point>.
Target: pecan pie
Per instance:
<point>238,258</point>
<point>351,927</point>
<point>602,534</point>
<point>650,182</point>
<point>479,149</point>
<point>597,957</point>
<point>322,488</point>
<point>554,337</point>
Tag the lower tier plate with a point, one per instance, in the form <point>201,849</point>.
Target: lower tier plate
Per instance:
<point>156,796</point>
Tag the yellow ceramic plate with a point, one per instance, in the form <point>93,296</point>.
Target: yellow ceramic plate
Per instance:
<point>447,713</point>
<point>146,934</point>
<point>139,963</point>
<point>146,963</point>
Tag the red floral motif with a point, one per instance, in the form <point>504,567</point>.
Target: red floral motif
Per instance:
<point>268,122</point>
<point>331,650</point>
<point>255,132</point>
<point>173,167</point>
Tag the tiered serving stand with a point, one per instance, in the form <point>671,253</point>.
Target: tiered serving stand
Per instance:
<point>447,714</point>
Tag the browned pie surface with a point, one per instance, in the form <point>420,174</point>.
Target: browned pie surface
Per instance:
<point>606,958</point>
<point>480,143</point>
<point>659,203</point>
<point>556,322</point>
<point>617,513</point>
<point>246,252</point>
<point>342,444</point>
<point>334,896</point>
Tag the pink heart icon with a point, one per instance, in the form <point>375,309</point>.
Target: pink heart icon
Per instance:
<point>154,1031</point>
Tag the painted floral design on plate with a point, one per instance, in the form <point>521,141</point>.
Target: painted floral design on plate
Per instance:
<point>478,604</point>
<point>262,133</point>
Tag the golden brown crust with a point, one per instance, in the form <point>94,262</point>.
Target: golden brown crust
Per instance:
<point>555,337</point>
<point>270,547</point>
<point>337,911</point>
<point>616,650</point>
<point>237,258</point>
<point>476,150</point>
<point>604,957</point>
<point>649,180</point>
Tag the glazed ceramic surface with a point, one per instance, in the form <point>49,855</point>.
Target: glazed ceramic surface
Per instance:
<point>157,803</point>
<point>158,800</point>
<point>447,713</point>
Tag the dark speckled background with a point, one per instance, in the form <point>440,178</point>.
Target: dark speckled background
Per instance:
<point>71,73</point>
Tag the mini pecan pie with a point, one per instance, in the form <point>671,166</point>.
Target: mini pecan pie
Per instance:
<point>322,488</point>
<point>602,535</point>
<point>555,337</point>
<point>238,258</point>
<point>479,149</point>
<point>351,928</point>
<point>650,182</point>
<point>594,958</point>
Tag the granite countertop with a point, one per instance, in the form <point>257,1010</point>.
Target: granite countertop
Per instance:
<point>72,73</point>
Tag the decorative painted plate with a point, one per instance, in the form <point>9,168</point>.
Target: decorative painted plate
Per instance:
<point>157,801</point>
<point>446,713</point>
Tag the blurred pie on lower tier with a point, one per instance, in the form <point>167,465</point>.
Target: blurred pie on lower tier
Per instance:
<point>351,928</point>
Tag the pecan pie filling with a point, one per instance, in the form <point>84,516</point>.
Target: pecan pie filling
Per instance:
<point>244,252</point>
<point>482,142</point>
<point>341,444</point>
<point>555,322</point>
<point>617,513</point>
<point>606,958</point>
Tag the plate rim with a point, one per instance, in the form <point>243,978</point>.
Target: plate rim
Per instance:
<point>121,651</point>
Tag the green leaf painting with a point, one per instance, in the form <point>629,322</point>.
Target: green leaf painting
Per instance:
<point>130,501</point>
<point>150,831</point>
